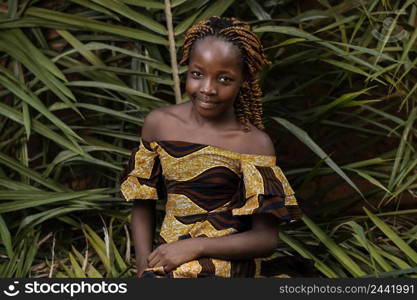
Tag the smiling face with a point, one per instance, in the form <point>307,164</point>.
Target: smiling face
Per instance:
<point>214,77</point>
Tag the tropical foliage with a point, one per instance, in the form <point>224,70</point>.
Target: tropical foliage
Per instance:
<point>78,77</point>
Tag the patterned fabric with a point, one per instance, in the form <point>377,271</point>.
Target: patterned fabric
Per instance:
<point>210,192</point>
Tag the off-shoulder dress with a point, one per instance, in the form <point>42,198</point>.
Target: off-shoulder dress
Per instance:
<point>210,192</point>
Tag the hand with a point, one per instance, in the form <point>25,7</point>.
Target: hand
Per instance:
<point>172,255</point>
<point>141,265</point>
<point>139,273</point>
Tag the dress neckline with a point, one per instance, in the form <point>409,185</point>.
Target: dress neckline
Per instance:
<point>215,147</point>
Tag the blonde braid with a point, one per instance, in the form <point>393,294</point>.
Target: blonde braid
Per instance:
<point>196,32</point>
<point>242,105</point>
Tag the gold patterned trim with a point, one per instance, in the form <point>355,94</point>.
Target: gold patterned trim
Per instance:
<point>132,189</point>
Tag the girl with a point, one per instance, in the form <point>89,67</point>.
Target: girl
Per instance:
<point>213,162</point>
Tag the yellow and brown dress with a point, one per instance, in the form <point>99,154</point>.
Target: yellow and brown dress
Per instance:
<point>210,192</point>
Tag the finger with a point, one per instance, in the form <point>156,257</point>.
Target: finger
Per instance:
<point>154,253</point>
<point>167,268</point>
<point>155,262</point>
<point>151,256</point>
<point>152,263</point>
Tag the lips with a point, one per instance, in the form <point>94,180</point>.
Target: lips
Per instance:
<point>206,103</point>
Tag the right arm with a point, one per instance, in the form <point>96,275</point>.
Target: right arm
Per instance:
<point>143,227</point>
<point>143,211</point>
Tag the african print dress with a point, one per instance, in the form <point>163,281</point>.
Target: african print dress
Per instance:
<point>210,192</point>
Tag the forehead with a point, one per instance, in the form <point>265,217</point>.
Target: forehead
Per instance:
<point>214,50</point>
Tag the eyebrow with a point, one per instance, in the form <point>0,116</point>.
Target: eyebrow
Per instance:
<point>221,71</point>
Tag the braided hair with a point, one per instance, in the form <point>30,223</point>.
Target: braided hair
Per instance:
<point>248,106</point>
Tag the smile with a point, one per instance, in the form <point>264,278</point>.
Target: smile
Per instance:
<point>207,104</point>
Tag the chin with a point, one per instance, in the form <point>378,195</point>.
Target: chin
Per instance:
<point>209,114</point>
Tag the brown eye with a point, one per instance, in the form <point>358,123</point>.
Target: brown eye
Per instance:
<point>225,79</point>
<point>196,74</point>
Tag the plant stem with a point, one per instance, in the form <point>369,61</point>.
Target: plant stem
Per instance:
<point>173,52</point>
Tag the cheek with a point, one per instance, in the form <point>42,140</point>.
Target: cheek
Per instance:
<point>231,93</point>
<point>190,86</point>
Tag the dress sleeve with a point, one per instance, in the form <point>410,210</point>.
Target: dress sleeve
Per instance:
<point>266,190</point>
<point>143,180</point>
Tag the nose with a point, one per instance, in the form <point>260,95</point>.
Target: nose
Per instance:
<point>208,87</point>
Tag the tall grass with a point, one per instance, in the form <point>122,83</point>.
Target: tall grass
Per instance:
<point>78,77</point>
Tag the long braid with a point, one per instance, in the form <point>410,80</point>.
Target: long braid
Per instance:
<point>248,105</point>
<point>196,32</point>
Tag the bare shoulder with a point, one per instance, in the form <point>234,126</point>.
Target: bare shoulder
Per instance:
<point>152,125</point>
<point>259,142</point>
<point>158,121</point>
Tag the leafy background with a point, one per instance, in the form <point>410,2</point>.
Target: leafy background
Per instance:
<point>78,77</point>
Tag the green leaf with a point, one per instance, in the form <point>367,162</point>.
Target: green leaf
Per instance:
<point>287,42</point>
<point>96,7</point>
<point>6,238</point>
<point>23,200</point>
<point>319,264</point>
<point>287,30</point>
<point>393,274</point>
<point>175,3</point>
<point>21,40</point>
<point>16,166</point>
<point>16,116</point>
<point>44,69</point>
<point>306,139</point>
<point>186,23</point>
<point>33,220</point>
<point>78,272</point>
<point>26,95</point>
<point>16,185</point>
<point>124,71</point>
<point>133,15</point>
<point>334,248</point>
<point>12,8</point>
<point>370,179</point>
<point>27,121</point>
<point>258,11</point>
<point>188,7</point>
<point>85,23</point>
<point>359,235</point>
<point>91,271</point>
<point>367,51</point>
<point>216,9</point>
<point>99,247</point>
<point>394,237</point>
<point>114,87</point>
<point>403,144</point>
<point>342,21</point>
<point>398,261</point>
<point>342,100</point>
<point>100,46</point>
<point>346,66</point>
<point>145,3</point>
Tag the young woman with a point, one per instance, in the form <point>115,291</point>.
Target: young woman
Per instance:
<point>215,164</point>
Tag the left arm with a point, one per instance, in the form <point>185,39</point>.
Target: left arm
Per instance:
<point>259,241</point>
